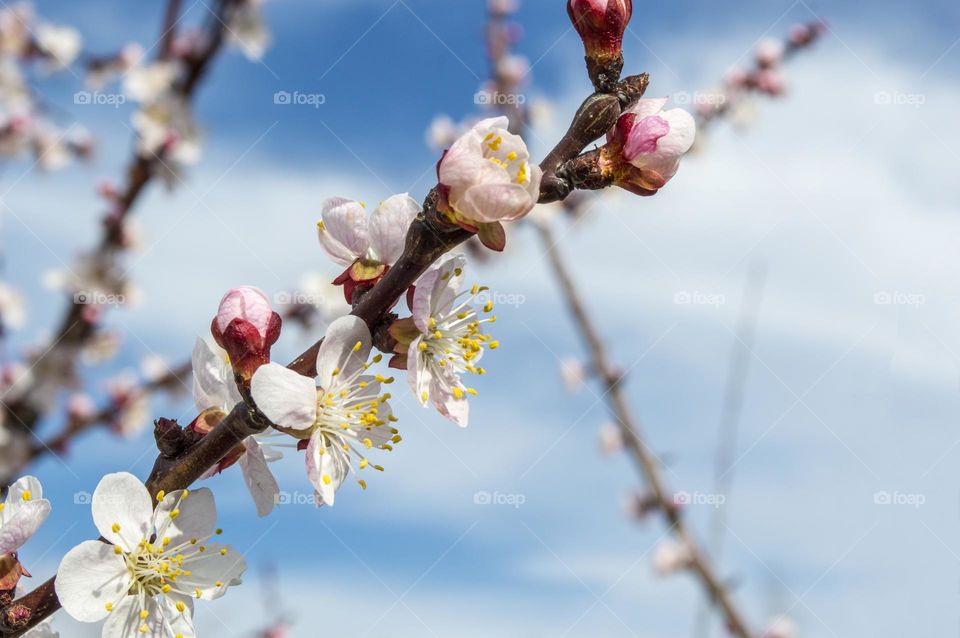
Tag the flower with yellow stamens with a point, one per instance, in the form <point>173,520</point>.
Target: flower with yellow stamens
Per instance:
<point>339,420</point>
<point>162,565</point>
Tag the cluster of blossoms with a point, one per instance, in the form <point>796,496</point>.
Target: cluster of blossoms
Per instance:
<point>27,43</point>
<point>766,77</point>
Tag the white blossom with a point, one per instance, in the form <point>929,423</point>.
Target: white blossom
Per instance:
<point>671,556</point>
<point>345,415</point>
<point>449,339</point>
<point>159,562</point>
<point>488,176</point>
<point>214,387</point>
<point>349,235</point>
<point>21,514</point>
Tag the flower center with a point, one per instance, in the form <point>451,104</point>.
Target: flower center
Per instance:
<point>456,341</point>
<point>514,164</point>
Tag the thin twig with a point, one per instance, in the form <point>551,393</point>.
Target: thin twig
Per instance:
<point>645,461</point>
<point>730,415</point>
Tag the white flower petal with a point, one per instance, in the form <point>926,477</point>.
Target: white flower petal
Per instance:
<point>419,377</point>
<point>260,481</point>
<point>90,576</point>
<point>285,397</point>
<point>23,490</point>
<point>121,502</point>
<point>343,233</point>
<point>125,622</point>
<point>213,384</point>
<point>218,567</point>
<point>22,525</point>
<point>195,515</point>
<point>389,224</point>
<point>339,352</point>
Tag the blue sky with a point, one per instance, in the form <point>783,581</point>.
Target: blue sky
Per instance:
<point>840,197</point>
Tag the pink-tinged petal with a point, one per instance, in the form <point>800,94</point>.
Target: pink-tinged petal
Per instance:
<point>17,530</point>
<point>247,303</point>
<point>446,402</point>
<point>346,223</point>
<point>122,510</point>
<point>436,290</point>
<point>339,352</point>
<point>90,576</point>
<point>496,202</point>
<point>464,162</point>
<point>288,399</point>
<point>260,481</point>
<point>647,107</point>
<point>683,131</point>
<point>389,224</point>
<point>644,136</point>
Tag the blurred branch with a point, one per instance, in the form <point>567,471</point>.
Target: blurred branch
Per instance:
<point>646,463</point>
<point>731,412</point>
<point>77,327</point>
<point>173,380</point>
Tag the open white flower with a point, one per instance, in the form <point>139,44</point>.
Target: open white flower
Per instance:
<point>449,339</point>
<point>343,416</point>
<point>22,513</point>
<point>487,175</point>
<point>214,387</point>
<point>347,234</point>
<point>160,560</point>
<point>146,83</point>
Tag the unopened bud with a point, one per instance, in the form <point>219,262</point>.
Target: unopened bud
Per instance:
<point>246,327</point>
<point>601,24</point>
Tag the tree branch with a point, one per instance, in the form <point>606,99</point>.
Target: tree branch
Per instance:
<point>645,462</point>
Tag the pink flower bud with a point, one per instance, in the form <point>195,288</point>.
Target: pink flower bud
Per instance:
<point>246,326</point>
<point>601,24</point>
<point>769,52</point>
<point>643,150</point>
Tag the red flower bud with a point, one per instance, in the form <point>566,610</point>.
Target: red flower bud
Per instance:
<point>246,327</point>
<point>601,24</point>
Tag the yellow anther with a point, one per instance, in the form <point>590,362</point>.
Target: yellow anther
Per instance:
<point>115,528</point>
<point>487,307</point>
<point>494,345</point>
<point>326,479</point>
<point>117,550</point>
<point>160,495</point>
<point>144,614</point>
<point>357,346</point>
<point>166,589</point>
<point>364,463</point>
<point>174,513</point>
<point>108,606</point>
<point>26,496</point>
<point>458,393</point>
<point>223,552</point>
<point>144,629</point>
<point>362,483</point>
<point>180,606</point>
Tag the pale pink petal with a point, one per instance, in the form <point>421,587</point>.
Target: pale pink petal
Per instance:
<point>389,224</point>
